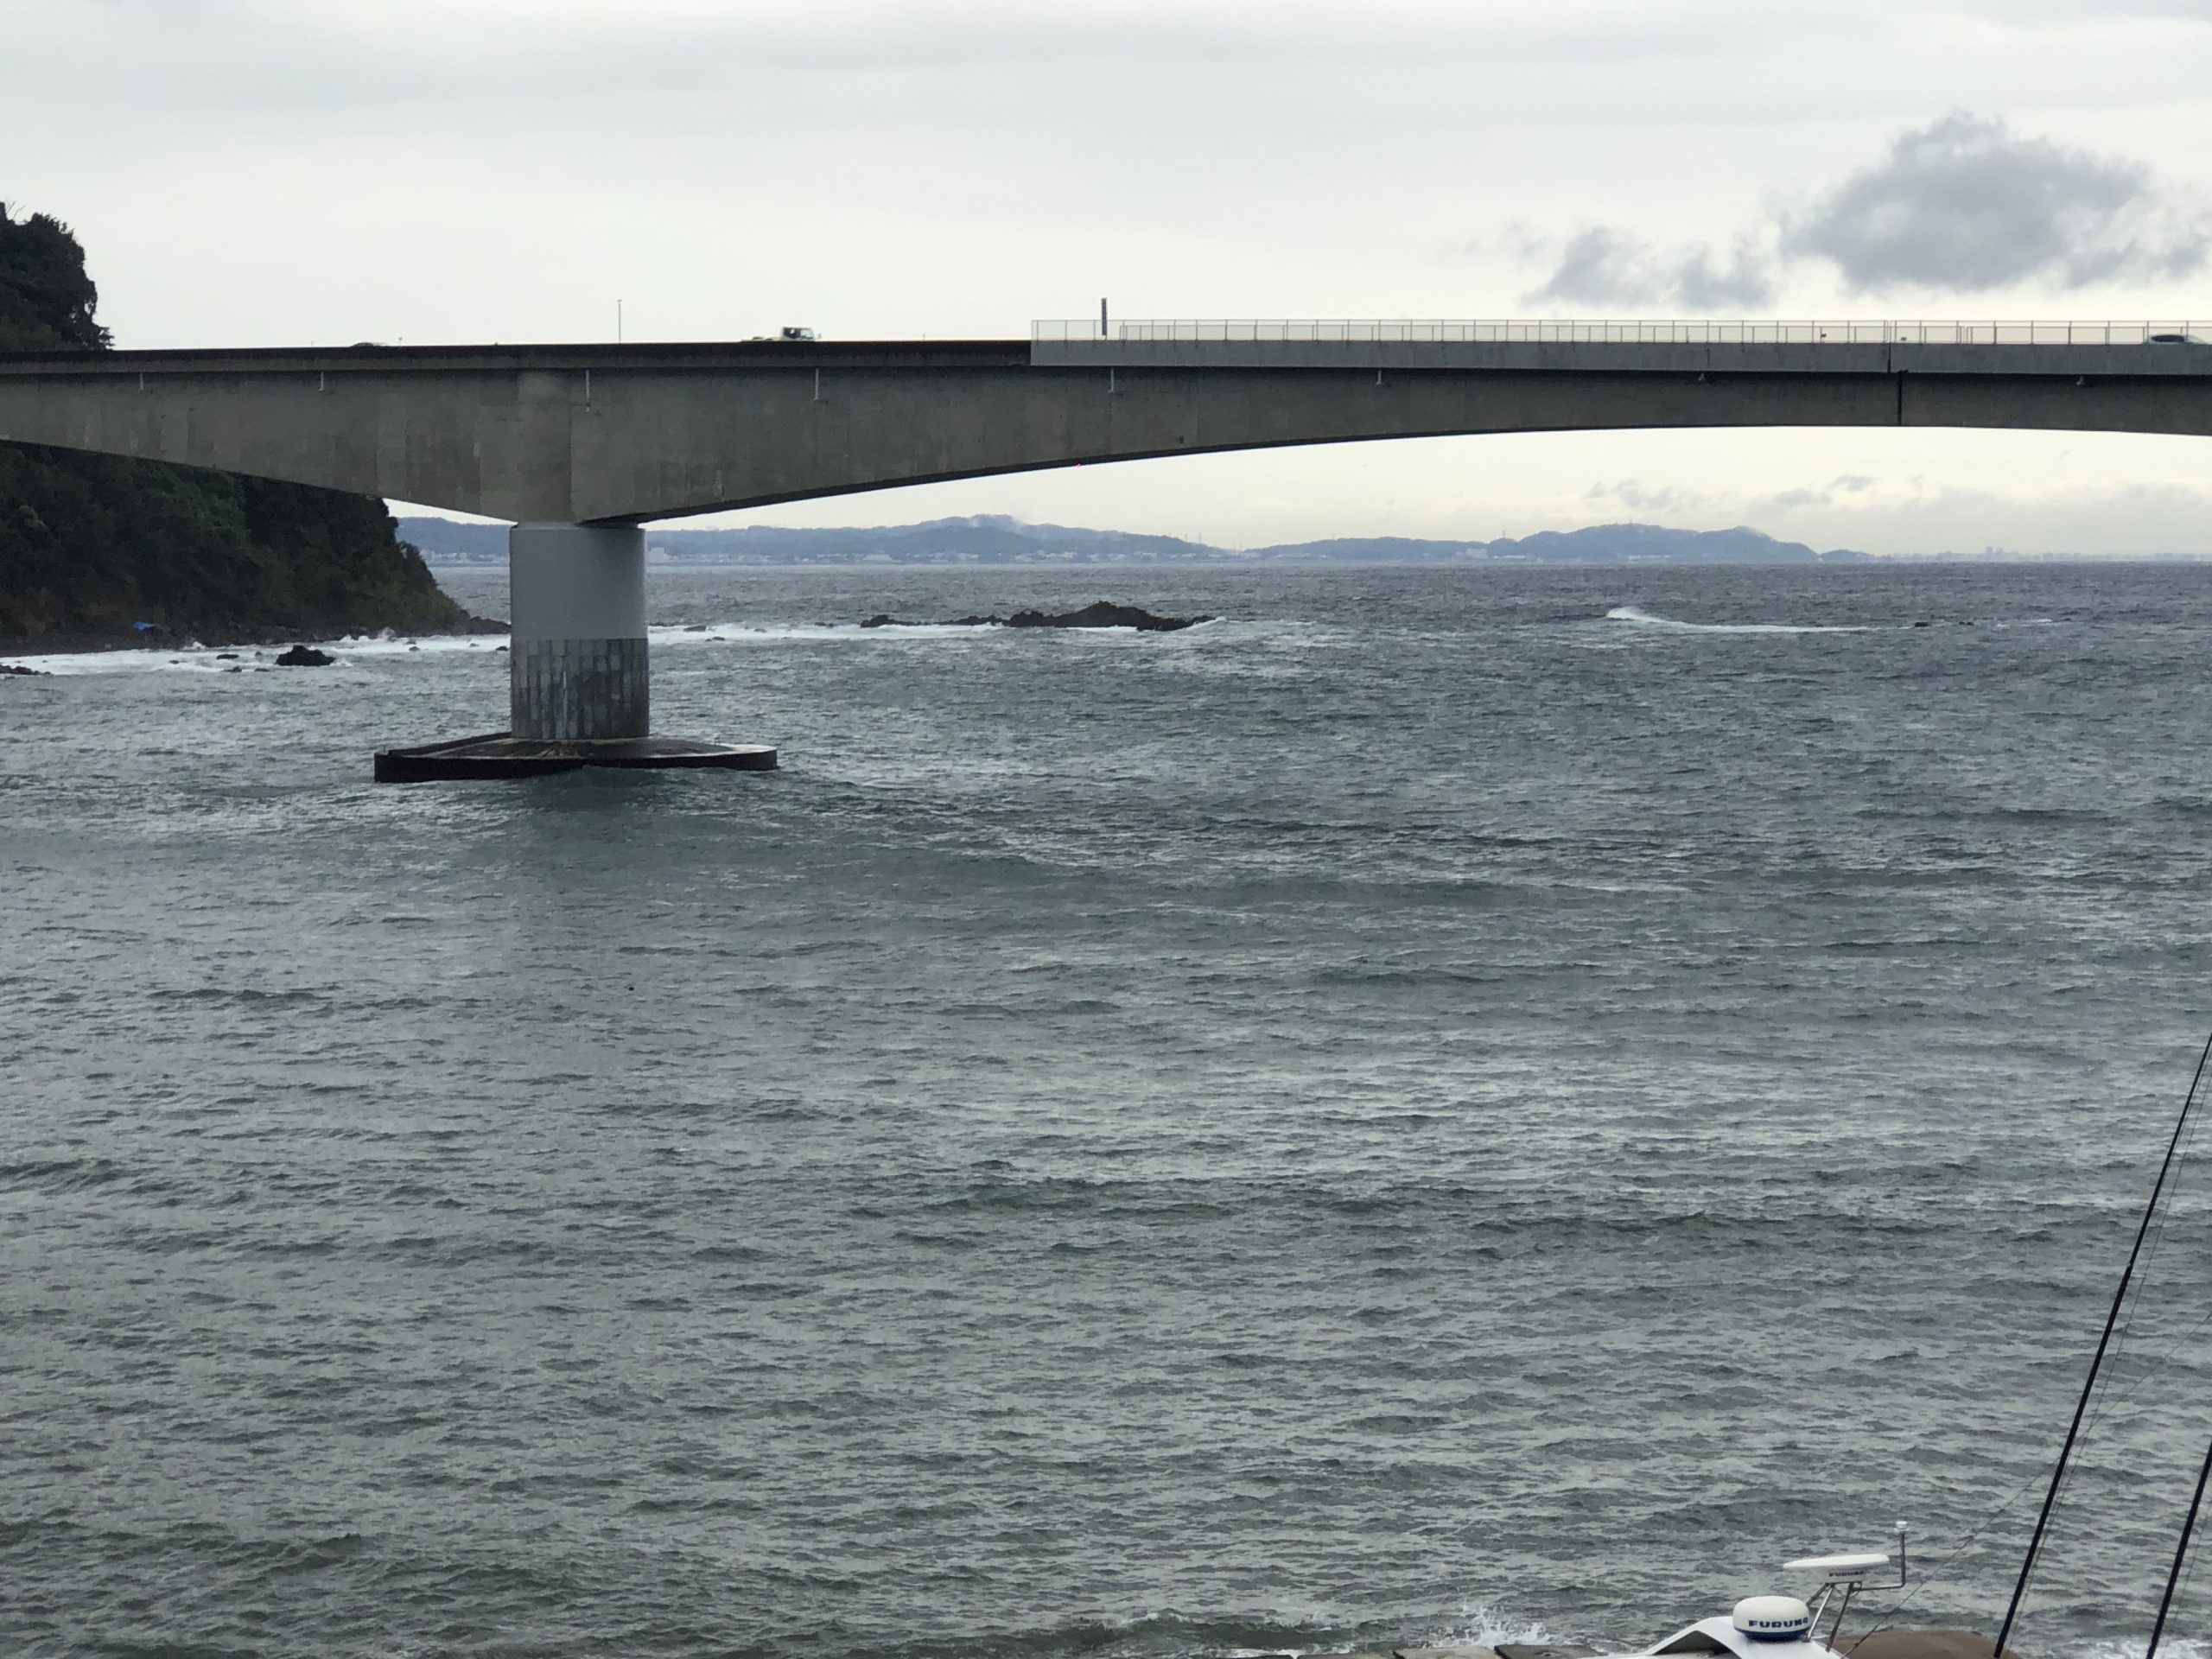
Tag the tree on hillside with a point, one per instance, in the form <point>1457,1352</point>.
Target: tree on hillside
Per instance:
<point>46,300</point>
<point>92,545</point>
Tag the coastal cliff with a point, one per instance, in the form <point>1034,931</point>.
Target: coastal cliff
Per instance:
<point>91,546</point>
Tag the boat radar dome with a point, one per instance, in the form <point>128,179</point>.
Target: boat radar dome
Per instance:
<point>1773,1618</point>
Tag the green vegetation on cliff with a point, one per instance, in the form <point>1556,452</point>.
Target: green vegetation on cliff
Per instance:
<point>92,545</point>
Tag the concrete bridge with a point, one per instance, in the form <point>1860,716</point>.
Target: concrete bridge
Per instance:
<point>581,444</point>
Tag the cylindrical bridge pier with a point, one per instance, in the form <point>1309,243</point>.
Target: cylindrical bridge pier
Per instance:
<point>579,685</point>
<point>578,669</point>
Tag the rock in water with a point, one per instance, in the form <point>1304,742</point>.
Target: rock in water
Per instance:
<point>1103,615</point>
<point>305,657</point>
<point>18,668</point>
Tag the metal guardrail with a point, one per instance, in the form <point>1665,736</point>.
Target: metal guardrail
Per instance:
<point>1635,332</point>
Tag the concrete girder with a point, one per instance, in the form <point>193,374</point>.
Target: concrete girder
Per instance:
<point>624,434</point>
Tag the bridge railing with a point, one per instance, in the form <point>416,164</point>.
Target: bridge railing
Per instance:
<point>1632,331</point>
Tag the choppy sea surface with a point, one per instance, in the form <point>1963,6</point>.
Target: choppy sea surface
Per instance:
<point>1445,1102</point>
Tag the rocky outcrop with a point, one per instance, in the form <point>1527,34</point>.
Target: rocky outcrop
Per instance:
<point>1101,615</point>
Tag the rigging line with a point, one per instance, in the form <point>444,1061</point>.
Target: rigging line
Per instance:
<point>2189,1575</point>
<point>2188,1579</point>
<point>2097,1362</point>
<point>2180,1553</point>
<point>2112,1395</point>
<point>2110,1398</point>
<point>2113,1388</point>
<point>2108,1401</point>
<point>1934,1575</point>
<point>2149,1262</point>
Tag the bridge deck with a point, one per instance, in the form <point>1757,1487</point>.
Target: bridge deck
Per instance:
<point>2129,357</point>
<point>620,433</point>
<point>714,354</point>
<point>1636,357</point>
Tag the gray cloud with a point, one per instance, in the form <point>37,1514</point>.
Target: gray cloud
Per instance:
<point>1960,204</point>
<point>1603,267</point>
<point>1747,280</point>
<point>1789,500</point>
<point>1963,204</point>
<point>1634,494</point>
<point>1823,495</point>
<point>1607,267</point>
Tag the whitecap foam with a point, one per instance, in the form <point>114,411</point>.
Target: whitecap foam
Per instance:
<point>1642,618</point>
<point>218,659</point>
<point>770,633</point>
<point>398,644</point>
<point>189,660</point>
<point>212,659</point>
<point>1485,1624</point>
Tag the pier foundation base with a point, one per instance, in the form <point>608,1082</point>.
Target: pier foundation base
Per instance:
<point>579,685</point>
<point>500,754</point>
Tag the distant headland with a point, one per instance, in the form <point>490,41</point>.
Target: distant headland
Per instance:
<point>992,539</point>
<point>995,539</point>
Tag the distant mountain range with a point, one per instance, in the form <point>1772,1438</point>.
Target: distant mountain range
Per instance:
<point>994,539</point>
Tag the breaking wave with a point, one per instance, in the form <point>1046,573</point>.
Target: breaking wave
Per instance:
<point>1640,618</point>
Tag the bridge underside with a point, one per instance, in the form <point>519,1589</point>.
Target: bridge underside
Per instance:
<point>578,444</point>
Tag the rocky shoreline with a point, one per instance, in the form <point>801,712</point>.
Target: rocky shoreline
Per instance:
<point>77,644</point>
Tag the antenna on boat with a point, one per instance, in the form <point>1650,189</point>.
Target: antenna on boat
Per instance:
<point>2089,1384</point>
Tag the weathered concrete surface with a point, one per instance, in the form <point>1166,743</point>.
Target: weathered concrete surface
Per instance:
<point>622,434</point>
<point>577,668</point>
<point>565,690</point>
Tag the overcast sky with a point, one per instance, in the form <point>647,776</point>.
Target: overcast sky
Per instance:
<point>246,172</point>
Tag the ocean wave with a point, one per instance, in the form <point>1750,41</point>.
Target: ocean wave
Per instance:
<point>355,648</point>
<point>770,633</point>
<point>1642,618</point>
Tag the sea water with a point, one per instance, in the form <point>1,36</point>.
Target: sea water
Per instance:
<point>1444,1101</point>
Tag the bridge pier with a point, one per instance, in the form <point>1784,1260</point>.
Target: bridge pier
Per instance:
<point>579,681</point>
<point>578,669</point>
